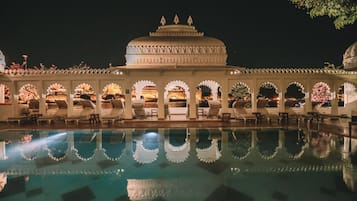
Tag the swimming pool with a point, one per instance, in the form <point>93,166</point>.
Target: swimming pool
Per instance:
<point>175,164</point>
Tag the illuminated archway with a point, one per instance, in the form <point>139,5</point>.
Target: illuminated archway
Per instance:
<point>294,95</point>
<point>28,92</point>
<point>207,90</point>
<point>240,92</point>
<point>146,90</point>
<point>321,95</point>
<point>84,91</point>
<point>268,95</point>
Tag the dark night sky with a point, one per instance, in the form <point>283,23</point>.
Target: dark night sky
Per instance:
<point>256,33</point>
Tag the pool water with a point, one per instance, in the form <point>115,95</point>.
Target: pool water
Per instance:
<point>175,164</point>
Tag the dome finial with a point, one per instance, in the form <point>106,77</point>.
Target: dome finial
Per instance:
<point>189,20</point>
<point>176,19</point>
<point>163,21</point>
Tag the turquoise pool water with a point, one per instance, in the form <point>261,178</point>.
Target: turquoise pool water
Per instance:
<point>175,164</point>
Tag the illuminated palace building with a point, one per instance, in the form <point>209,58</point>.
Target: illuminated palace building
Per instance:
<point>176,71</point>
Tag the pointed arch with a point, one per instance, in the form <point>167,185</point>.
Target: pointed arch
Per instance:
<point>85,91</point>
<point>28,92</point>
<point>321,94</point>
<point>177,83</point>
<point>139,86</point>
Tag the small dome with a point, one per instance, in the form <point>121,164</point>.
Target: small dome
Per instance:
<point>176,44</point>
<point>350,57</point>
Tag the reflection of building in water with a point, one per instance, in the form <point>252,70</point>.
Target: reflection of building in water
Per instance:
<point>178,66</point>
<point>3,180</point>
<point>240,148</point>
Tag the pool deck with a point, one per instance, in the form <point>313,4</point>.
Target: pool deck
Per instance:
<point>335,126</point>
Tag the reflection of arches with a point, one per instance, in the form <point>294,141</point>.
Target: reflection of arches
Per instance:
<point>30,148</point>
<point>113,144</point>
<point>240,143</point>
<point>177,145</point>
<point>294,143</point>
<point>268,143</point>
<point>4,94</point>
<point>85,145</point>
<point>144,155</point>
<point>27,93</point>
<point>320,144</point>
<point>207,146</point>
<point>57,147</point>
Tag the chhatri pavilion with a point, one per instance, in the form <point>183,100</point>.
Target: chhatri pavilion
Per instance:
<point>177,70</point>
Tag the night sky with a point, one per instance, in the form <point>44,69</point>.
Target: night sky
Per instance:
<point>256,33</point>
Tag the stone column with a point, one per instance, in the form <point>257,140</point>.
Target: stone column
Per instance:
<point>192,102</point>
<point>254,101</point>
<point>15,104</point>
<point>281,102</point>
<point>334,101</point>
<point>128,111</point>
<point>43,104</point>
<point>224,95</point>
<point>70,105</point>
<point>98,105</point>
<point>161,102</point>
<point>308,103</point>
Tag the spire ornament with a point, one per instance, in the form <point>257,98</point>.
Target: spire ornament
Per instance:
<point>176,19</point>
<point>163,21</point>
<point>189,20</point>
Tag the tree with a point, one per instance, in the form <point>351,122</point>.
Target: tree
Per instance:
<point>344,12</point>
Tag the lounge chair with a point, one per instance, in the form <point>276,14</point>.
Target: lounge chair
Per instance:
<point>139,110</point>
<point>115,115</point>
<point>269,116</point>
<point>62,109</point>
<point>214,108</point>
<point>241,114</point>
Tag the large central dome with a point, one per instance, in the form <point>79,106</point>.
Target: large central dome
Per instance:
<point>176,45</point>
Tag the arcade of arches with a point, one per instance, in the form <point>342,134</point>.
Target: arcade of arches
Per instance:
<point>179,67</point>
